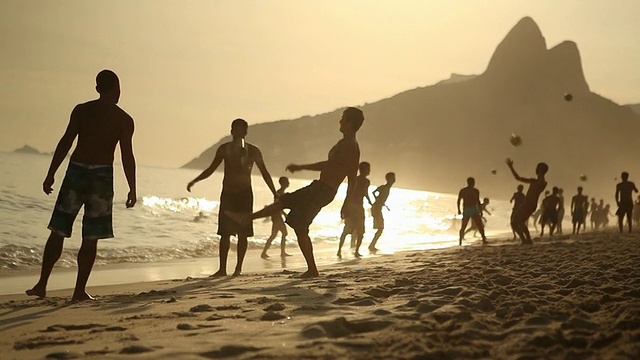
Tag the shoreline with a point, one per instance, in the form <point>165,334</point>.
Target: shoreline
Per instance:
<point>63,278</point>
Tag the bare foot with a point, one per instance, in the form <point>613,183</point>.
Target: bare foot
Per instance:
<point>237,273</point>
<point>310,274</point>
<point>372,249</point>
<point>80,297</point>
<point>219,273</point>
<point>284,254</point>
<point>357,254</point>
<point>38,291</point>
<point>339,255</point>
<point>264,255</point>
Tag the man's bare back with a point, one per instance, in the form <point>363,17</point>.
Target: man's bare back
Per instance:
<point>99,125</point>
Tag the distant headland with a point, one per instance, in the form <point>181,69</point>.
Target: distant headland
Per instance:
<point>27,149</point>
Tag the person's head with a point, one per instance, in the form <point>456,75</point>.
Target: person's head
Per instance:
<point>485,201</point>
<point>547,192</point>
<point>555,190</point>
<point>542,169</point>
<point>560,191</point>
<point>593,200</point>
<point>351,121</point>
<point>624,176</point>
<point>520,188</point>
<point>284,181</point>
<point>364,168</point>
<point>471,182</point>
<point>108,86</point>
<point>239,128</point>
<point>579,189</point>
<point>601,202</point>
<point>391,178</point>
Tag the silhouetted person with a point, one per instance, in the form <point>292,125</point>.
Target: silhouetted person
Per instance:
<point>636,212</point>
<point>593,210</point>
<point>354,211</point>
<point>237,193</point>
<point>550,207</point>
<point>517,199</point>
<point>541,209</point>
<point>472,209</point>
<point>99,126</point>
<point>483,210</point>
<point>381,194</point>
<point>277,223</point>
<point>598,215</point>
<point>606,212</point>
<point>588,208</point>
<point>560,211</point>
<point>579,204</point>
<point>624,199</point>
<point>307,202</point>
<point>536,187</point>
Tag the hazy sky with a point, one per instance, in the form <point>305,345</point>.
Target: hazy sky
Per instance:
<point>188,68</point>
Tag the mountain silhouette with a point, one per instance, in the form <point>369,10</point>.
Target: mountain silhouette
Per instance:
<point>434,137</point>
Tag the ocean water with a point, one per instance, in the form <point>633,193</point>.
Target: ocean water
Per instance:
<point>168,223</point>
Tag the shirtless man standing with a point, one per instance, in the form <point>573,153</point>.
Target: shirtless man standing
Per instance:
<point>237,194</point>
<point>536,187</point>
<point>99,126</point>
<point>624,199</point>
<point>550,208</point>
<point>354,214</point>
<point>307,202</point>
<point>579,204</point>
<point>381,194</point>
<point>472,209</point>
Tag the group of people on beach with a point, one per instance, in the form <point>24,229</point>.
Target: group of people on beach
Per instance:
<point>551,210</point>
<point>100,125</point>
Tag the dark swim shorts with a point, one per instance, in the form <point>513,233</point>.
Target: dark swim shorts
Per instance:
<point>306,203</point>
<point>239,202</point>
<point>90,186</point>
<point>625,209</point>
<point>354,219</point>
<point>378,219</point>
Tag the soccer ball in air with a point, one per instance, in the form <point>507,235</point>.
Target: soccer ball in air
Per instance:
<point>515,140</point>
<point>583,177</point>
<point>568,97</point>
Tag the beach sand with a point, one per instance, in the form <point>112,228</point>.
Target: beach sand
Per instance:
<point>574,297</point>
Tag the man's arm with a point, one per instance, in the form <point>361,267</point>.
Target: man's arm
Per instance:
<point>617,196</point>
<point>129,161</point>
<point>265,173</point>
<point>62,149</point>
<point>509,163</point>
<point>217,160</point>
<point>573,204</point>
